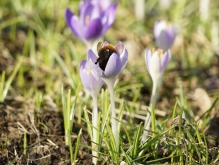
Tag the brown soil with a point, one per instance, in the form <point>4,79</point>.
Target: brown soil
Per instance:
<point>45,143</point>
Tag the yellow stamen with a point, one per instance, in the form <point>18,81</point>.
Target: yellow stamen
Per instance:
<point>160,53</point>
<point>89,70</point>
<point>87,19</point>
<point>169,24</point>
<point>153,50</point>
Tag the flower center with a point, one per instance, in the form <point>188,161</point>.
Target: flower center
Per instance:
<point>153,50</point>
<point>87,19</point>
<point>160,53</point>
<point>168,24</point>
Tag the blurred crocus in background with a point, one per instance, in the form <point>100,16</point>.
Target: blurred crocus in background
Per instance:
<point>156,63</point>
<point>109,69</point>
<point>92,83</point>
<point>95,19</point>
<point>164,34</point>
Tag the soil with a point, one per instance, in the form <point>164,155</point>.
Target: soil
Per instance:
<point>45,143</point>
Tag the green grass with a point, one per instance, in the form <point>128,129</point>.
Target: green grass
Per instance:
<point>46,56</point>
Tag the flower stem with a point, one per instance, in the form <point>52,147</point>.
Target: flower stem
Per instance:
<point>148,117</point>
<point>114,123</point>
<point>95,132</point>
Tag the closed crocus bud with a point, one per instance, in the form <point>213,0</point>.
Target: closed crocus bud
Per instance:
<point>164,34</point>
<point>95,19</point>
<point>156,62</point>
<point>91,82</point>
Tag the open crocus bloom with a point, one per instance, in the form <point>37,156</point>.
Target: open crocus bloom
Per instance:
<point>156,62</point>
<point>95,19</point>
<point>115,64</point>
<point>91,82</point>
<point>164,34</point>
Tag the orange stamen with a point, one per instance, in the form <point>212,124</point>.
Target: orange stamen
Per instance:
<point>87,19</point>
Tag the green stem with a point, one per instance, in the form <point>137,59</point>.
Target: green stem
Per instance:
<point>148,117</point>
<point>110,84</point>
<point>95,132</point>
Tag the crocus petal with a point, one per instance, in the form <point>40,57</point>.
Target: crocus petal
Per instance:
<point>82,64</point>
<point>109,17</point>
<point>120,47</point>
<point>165,60</point>
<point>96,68</point>
<point>91,12</point>
<point>92,56</point>
<point>171,32</point>
<point>94,29</point>
<point>97,83</point>
<point>113,66</point>
<point>164,34</point>
<point>85,79</point>
<point>91,82</point>
<point>74,23</point>
<point>155,66</point>
<point>124,59</point>
<point>105,43</point>
<point>164,40</point>
<point>158,27</point>
<point>104,5</point>
<point>148,55</point>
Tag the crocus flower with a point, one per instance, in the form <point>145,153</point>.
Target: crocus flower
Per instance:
<point>95,19</point>
<point>114,64</point>
<point>91,82</point>
<point>110,63</point>
<point>156,62</point>
<point>164,34</point>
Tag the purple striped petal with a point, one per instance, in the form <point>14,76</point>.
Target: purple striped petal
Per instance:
<point>165,60</point>
<point>93,29</point>
<point>74,23</point>
<point>113,66</point>
<point>92,56</point>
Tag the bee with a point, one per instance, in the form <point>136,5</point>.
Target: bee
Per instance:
<point>104,53</point>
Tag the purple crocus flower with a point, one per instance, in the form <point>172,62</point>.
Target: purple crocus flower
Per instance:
<point>95,19</point>
<point>114,64</point>
<point>91,82</point>
<point>164,34</point>
<point>112,60</point>
<point>156,62</point>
